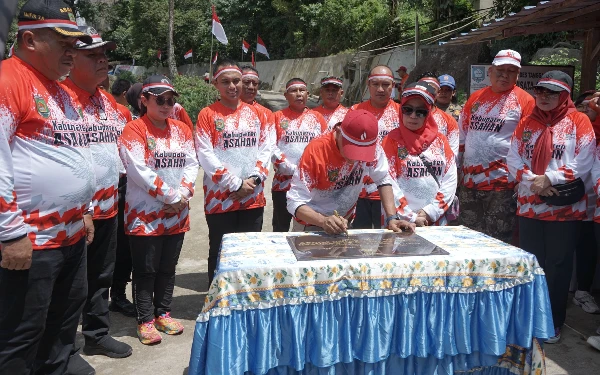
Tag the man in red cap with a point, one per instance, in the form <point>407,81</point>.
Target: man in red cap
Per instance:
<point>402,72</point>
<point>331,174</point>
<point>46,187</point>
<point>486,125</point>
<point>331,94</point>
<point>107,121</point>
<point>386,111</point>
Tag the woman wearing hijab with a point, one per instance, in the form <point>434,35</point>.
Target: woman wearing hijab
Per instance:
<point>133,96</point>
<point>551,154</point>
<point>420,158</point>
<point>160,160</point>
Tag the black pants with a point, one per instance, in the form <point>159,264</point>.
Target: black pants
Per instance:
<point>154,260</point>
<point>586,255</point>
<point>100,266</point>
<point>368,214</point>
<point>229,222</point>
<point>553,243</point>
<point>281,217</point>
<point>122,273</point>
<point>40,310</point>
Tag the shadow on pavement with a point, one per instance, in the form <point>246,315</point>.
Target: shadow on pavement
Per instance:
<point>187,307</point>
<point>197,282</point>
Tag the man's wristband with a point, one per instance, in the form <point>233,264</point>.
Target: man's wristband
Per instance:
<point>390,218</point>
<point>257,179</point>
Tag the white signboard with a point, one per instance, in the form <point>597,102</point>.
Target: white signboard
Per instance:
<point>528,77</point>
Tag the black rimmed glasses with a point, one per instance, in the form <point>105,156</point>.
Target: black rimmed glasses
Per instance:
<point>419,112</point>
<point>540,91</point>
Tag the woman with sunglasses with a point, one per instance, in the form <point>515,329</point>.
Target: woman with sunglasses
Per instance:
<point>160,160</point>
<point>551,152</point>
<point>420,158</point>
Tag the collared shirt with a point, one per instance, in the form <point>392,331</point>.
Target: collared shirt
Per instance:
<point>332,117</point>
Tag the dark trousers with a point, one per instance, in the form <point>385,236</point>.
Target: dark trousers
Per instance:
<point>586,255</point>
<point>281,217</point>
<point>368,214</point>
<point>229,222</point>
<point>122,272</point>
<point>100,266</point>
<point>553,243</point>
<point>491,212</point>
<point>40,310</point>
<point>154,259</point>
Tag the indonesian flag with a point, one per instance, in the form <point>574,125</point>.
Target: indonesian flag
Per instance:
<point>253,62</point>
<point>11,51</point>
<point>261,47</point>
<point>217,28</point>
<point>159,54</point>
<point>188,54</point>
<point>245,46</point>
<point>216,57</point>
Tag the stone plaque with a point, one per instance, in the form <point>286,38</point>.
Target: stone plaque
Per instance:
<point>361,245</point>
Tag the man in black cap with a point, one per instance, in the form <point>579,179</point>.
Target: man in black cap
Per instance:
<point>46,187</point>
<point>102,112</point>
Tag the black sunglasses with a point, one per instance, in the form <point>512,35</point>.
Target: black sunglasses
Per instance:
<point>539,91</point>
<point>420,113</point>
<point>160,100</point>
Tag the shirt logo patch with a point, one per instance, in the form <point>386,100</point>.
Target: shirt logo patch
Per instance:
<point>71,17</point>
<point>402,152</point>
<point>475,107</point>
<point>151,144</point>
<point>219,124</point>
<point>333,175</point>
<point>526,136</point>
<point>41,106</point>
<point>284,124</point>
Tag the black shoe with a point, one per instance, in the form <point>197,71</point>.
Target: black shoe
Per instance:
<point>79,366</point>
<point>121,304</point>
<point>109,347</point>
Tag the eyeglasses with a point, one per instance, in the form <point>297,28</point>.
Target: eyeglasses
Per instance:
<point>419,113</point>
<point>539,91</point>
<point>161,100</point>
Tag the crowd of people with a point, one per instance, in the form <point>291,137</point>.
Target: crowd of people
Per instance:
<point>95,186</point>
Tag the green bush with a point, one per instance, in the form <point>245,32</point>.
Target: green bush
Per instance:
<point>194,94</point>
<point>129,76</point>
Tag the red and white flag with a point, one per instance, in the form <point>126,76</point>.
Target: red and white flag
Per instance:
<point>159,54</point>
<point>261,47</point>
<point>217,28</point>
<point>253,62</point>
<point>11,51</point>
<point>216,57</point>
<point>188,54</point>
<point>245,46</point>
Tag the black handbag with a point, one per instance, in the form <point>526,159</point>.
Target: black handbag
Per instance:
<point>569,193</point>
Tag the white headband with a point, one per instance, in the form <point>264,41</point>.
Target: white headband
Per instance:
<point>381,76</point>
<point>295,85</point>
<point>227,69</point>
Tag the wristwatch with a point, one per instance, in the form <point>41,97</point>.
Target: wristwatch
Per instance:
<point>390,218</point>
<point>257,179</point>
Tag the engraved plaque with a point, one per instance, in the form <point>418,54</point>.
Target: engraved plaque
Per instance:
<point>361,245</point>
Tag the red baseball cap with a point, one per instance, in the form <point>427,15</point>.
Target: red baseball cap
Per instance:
<point>359,135</point>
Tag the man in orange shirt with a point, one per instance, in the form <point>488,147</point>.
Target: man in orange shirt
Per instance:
<point>402,72</point>
<point>486,125</point>
<point>250,83</point>
<point>234,149</point>
<point>387,112</point>
<point>46,188</point>
<point>331,94</point>
<point>106,122</point>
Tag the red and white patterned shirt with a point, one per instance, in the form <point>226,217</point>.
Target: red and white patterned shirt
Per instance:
<point>293,131</point>
<point>46,170</point>
<point>332,117</point>
<point>486,125</point>
<point>179,113</point>
<point>573,144</point>
<point>232,145</point>
<point>106,123</point>
<point>325,181</point>
<point>447,126</point>
<point>388,119</point>
<point>414,180</point>
<point>161,167</point>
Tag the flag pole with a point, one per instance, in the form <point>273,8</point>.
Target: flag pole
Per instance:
<point>242,50</point>
<point>210,64</point>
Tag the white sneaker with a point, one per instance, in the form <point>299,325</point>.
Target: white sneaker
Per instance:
<point>586,301</point>
<point>594,341</point>
<point>554,339</point>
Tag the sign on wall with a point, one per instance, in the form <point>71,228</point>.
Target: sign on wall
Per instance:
<point>528,77</point>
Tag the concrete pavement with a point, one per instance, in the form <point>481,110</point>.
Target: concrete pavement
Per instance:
<point>572,355</point>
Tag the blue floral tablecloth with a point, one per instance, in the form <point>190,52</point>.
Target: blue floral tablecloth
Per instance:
<point>481,309</point>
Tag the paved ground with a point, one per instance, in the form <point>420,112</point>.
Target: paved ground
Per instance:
<point>572,355</point>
